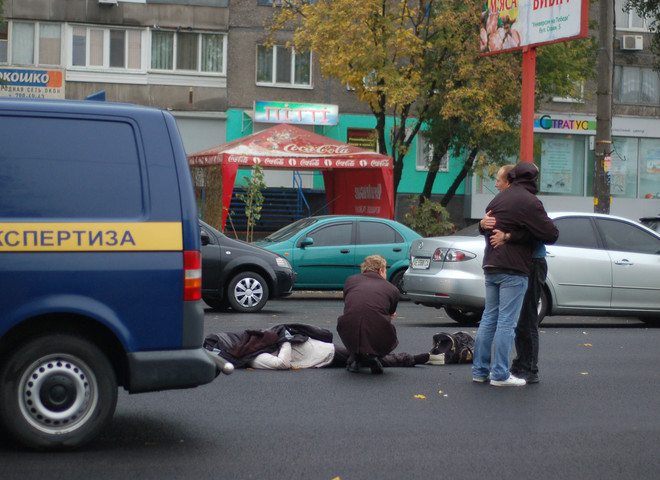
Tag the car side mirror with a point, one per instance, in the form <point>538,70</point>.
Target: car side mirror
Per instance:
<point>306,242</point>
<point>205,238</point>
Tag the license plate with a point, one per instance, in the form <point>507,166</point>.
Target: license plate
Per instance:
<point>421,263</point>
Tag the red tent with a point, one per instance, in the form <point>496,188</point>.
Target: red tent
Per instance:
<point>357,181</point>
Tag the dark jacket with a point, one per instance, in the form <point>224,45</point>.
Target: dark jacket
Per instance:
<point>519,212</point>
<point>366,325</point>
<point>240,348</point>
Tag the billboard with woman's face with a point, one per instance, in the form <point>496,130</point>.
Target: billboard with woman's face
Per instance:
<point>513,24</point>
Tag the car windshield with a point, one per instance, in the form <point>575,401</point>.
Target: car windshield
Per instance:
<point>471,231</point>
<point>289,231</point>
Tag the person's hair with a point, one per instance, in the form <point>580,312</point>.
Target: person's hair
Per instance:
<point>373,263</point>
<point>505,169</point>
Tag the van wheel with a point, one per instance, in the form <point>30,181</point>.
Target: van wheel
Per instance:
<point>247,292</point>
<point>464,317</point>
<point>58,392</point>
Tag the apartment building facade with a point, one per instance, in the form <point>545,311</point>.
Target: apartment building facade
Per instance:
<point>206,62</point>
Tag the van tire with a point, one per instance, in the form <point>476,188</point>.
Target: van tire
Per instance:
<point>247,292</point>
<point>58,392</point>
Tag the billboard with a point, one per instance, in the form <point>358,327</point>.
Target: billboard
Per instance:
<point>514,24</point>
<point>31,83</point>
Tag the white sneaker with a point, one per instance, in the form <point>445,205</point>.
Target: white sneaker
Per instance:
<point>509,382</point>
<point>438,359</point>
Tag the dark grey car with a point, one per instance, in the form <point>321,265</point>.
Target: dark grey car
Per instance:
<point>240,275</point>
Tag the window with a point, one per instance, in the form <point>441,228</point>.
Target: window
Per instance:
<point>561,164</point>
<point>32,43</point>
<point>186,51</point>
<point>4,41</point>
<point>106,48</point>
<point>50,42</point>
<point>649,169</point>
<point>621,236</point>
<point>636,86</point>
<point>576,232</point>
<point>68,158</point>
<point>628,20</point>
<point>623,167</point>
<point>377,233</point>
<point>337,234</point>
<point>23,43</point>
<point>281,66</point>
<point>425,155</point>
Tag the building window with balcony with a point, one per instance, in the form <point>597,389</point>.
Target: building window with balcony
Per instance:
<point>95,47</point>
<point>32,43</point>
<point>188,51</point>
<point>283,67</point>
<point>636,86</point>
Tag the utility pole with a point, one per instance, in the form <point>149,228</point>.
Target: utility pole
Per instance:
<point>603,147</point>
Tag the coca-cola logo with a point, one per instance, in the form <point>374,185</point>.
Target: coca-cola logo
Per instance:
<point>292,162</point>
<point>256,160</point>
<point>317,149</point>
<point>310,163</point>
<point>274,161</point>
<point>327,163</point>
<point>380,163</point>
<point>363,163</point>
<point>238,159</point>
<point>345,163</point>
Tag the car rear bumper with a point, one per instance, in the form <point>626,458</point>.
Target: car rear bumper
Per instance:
<point>446,287</point>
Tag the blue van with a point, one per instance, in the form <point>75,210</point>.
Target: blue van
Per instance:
<point>100,273</point>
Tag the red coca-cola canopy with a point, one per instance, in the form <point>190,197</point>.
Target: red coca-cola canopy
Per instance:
<point>357,181</point>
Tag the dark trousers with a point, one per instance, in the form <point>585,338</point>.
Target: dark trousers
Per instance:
<point>392,360</point>
<point>527,330</point>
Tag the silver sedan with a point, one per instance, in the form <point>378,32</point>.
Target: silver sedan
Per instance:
<point>600,265</point>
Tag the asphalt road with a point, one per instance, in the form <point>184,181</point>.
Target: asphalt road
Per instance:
<point>594,415</point>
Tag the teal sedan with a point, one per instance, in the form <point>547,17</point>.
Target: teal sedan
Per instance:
<point>325,250</point>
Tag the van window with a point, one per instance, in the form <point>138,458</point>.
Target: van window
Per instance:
<point>69,168</point>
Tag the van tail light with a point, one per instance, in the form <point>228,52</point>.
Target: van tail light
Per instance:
<point>192,279</point>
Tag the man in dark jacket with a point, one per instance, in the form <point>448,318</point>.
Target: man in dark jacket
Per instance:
<point>520,214</point>
<point>366,328</point>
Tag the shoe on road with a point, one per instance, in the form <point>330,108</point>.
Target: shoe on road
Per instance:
<point>509,382</point>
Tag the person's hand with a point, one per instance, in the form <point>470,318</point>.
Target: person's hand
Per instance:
<point>497,239</point>
<point>488,222</point>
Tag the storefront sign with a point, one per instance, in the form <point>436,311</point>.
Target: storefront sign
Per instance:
<point>31,83</point>
<point>296,113</point>
<point>366,138</point>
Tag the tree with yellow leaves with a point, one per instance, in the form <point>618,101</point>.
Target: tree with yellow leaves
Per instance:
<point>418,62</point>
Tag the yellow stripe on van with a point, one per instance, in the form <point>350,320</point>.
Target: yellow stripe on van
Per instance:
<point>90,237</point>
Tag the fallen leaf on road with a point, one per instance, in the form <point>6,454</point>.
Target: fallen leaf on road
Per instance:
<point>420,397</point>
<point>584,373</point>
<point>588,345</point>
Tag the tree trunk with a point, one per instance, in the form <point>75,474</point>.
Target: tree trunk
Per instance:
<point>467,166</point>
